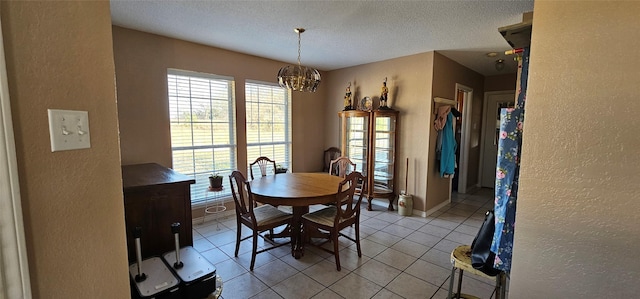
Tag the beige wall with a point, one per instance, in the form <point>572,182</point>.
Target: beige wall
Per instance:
<point>446,73</point>
<point>500,82</point>
<point>578,202</point>
<point>577,217</point>
<point>413,81</point>
<point>59,55</point>
<point>141,61</point>
<point>409,83</point>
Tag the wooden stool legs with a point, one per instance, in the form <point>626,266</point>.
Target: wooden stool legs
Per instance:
<point>500,288</point>
<point>461,260</point>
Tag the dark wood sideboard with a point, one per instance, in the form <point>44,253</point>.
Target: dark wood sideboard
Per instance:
<point>154,198</point>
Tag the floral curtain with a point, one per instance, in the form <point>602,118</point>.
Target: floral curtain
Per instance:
<point>507,173</point>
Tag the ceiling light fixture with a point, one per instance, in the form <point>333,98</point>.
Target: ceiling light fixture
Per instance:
<point>499,64</point>
<point>299,77</point>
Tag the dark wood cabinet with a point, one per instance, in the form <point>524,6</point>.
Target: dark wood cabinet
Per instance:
<point>154,198</point>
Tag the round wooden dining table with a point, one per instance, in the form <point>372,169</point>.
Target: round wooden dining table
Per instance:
<point>298,190</point>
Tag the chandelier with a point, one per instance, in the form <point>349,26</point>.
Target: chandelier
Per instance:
<point>499,64</point>
<point>299,77</point>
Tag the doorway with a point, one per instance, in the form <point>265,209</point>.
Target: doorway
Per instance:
<point>494,101</point>
<point>14,269</point>
<point>464,96</point>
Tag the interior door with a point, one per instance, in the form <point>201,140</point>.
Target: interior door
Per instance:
<point>491,122</point>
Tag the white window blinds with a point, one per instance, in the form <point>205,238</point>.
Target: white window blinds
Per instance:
<point>268,108</point>
<point>203,137</point>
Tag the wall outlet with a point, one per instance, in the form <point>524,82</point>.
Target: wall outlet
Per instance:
<point>69,130</point>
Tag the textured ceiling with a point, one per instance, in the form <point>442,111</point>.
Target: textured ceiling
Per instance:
<point>339,33</point>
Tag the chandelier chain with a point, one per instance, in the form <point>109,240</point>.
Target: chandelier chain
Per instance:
<point>299,47</point>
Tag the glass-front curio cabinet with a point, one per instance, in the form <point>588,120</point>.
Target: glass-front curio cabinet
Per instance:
<point>369,139</point>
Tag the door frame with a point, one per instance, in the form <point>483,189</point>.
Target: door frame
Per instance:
<point>465,136</point>
<point>485,109</point>
<point>14,268</point>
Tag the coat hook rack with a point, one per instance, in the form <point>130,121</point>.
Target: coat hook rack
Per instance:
<point>443,101</point>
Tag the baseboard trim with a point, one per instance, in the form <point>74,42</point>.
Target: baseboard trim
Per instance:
<point>473,189</point>
<point>385,204</point>
<point>379,203</point>
<point>213,217</point>
<point>436,208</point>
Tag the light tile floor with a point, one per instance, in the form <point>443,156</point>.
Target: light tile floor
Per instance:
<point>402,257</point>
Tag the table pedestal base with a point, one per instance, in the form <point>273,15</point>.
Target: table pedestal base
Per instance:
<point>297,242</point>
<point>293,231</point>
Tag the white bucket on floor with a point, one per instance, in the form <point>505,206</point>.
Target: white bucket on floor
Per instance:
<point>405,205</point>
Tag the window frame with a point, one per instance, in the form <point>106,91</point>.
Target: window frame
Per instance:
<point>199,192</point>
<point>287,163</point>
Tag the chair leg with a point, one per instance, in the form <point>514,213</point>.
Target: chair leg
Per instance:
<point>358,238</point>
<point>238,236</point>
<point>501,288</point>
<point>496,288</point>
<point>460,283</point>
<point>255,248</point>
<point>503,291</point>
<point>453,275</point>
<point>305,232</point>
<point>335,248</point>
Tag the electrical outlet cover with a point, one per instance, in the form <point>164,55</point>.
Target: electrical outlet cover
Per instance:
<point>69,130</point>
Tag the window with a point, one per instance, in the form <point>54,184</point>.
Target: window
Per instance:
<point>203,137</point>
<point>268,122</point>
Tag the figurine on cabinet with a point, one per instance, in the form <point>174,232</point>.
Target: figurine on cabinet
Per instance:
<point>348,104</point>
<point>384,96</point>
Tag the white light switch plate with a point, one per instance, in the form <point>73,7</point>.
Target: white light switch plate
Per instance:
<point>69,130</point>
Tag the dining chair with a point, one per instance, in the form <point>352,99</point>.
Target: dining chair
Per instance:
<point>330,154</point>
<point>328,222</point>
<point>341,166</point>
<point>263,163</point>
<point>258,218</point>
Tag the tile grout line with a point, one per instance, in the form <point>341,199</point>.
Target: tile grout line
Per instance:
<point>386,218</point>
